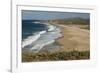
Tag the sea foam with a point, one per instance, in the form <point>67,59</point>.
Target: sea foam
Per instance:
<point>32,38</point>
<point>38,40</point>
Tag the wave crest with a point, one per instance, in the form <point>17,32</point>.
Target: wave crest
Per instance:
<point>32,38</point>
<point>40,39</point>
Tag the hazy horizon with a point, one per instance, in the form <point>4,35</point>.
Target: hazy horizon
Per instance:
<point>48,15</point>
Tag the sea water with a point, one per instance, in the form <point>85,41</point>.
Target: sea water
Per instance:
<point>29,27</point>
<point>36,35</point>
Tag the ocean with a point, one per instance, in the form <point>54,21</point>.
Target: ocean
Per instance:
<point>36,35</point>
<point>31,26</point>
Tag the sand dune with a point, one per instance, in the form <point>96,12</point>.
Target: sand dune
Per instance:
<point>74,38</point>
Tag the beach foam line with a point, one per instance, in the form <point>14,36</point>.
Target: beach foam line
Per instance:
<point>49,26</point>
<point>35,36</point>
<point>41,39</point>
<point>45,39</point>
<point>38,47</point>
<point>32,38</point>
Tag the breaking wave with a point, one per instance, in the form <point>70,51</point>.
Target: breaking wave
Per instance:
<point>32,38</point>
<point>39,39</point>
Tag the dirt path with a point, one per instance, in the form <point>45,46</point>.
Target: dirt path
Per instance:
<point>74,38</point>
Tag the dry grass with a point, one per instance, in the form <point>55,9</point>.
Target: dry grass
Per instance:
<point>58,56</point>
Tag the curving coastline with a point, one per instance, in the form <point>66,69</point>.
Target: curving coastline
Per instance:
<point>38,40</point>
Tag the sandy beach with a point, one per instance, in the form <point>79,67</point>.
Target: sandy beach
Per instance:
<point>74,38</point>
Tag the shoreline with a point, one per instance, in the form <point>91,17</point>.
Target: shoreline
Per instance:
<point>74,38</point>
<point>42,39</point>
<point>75,42</point>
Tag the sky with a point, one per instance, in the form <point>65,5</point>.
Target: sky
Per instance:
<point>47,15</point>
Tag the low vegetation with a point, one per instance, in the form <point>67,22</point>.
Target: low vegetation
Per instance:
<point>84,23</point>
<point>71,21</point>
<point>58,56</point>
